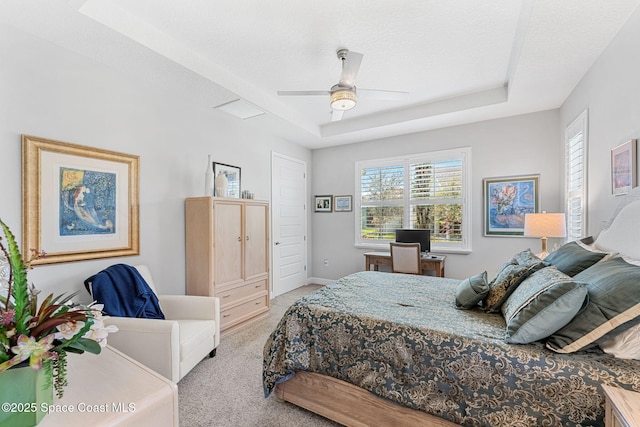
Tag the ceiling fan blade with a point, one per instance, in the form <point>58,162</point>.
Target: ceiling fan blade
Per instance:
<point>384,95</point>
<point>336,115</point>
<point>350,68</point>
<point>303,92</point>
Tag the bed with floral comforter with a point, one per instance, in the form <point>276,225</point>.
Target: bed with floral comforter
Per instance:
<point>402,338</point>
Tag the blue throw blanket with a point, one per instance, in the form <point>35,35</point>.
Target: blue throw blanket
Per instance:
<point>124,293</point>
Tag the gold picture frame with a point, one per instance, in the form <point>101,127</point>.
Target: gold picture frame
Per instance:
<point>78,202</point>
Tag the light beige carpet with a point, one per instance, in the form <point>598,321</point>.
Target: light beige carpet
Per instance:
<point>226,390</point>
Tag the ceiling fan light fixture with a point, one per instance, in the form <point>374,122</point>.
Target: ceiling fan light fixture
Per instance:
<point>343,99</point>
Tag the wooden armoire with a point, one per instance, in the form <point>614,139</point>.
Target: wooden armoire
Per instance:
<point>227,255</point>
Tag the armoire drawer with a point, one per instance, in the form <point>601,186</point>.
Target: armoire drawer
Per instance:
<point>233,295</point>
<point>243,311</point>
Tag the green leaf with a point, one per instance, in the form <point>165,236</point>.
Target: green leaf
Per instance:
<point>70,349</point>
<point>19,289</point>
<point>86,344</point>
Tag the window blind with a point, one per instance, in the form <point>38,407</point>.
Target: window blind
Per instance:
<point>575,167</point>
<point>382,195</point>
<point>436,198</point>
<point>424,191</point>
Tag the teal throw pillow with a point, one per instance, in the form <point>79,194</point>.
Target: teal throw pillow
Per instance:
<point>471,291</point>
<point>543,303</point>
<point>614,306</point>
<point>572,258</point>
<point>526,258</point>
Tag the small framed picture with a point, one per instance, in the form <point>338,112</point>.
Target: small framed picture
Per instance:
<point>342,203</point>
<point>323,203</point>
<point>226,180</point>
<point>623,168</point>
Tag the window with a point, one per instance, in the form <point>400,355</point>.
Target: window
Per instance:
<point>575,177</point>
<point>428,191</point>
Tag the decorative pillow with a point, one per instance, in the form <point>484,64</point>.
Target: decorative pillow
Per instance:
<point>587,240</point>
<point>508,278</point>
<point>625,345</point>
<point>572,258</point>
<point>543,303</point>
<point>623,234</point>
<point>631,260</point>
<point>471,291</point>
<point>526,257</point>
<point>614,306</point>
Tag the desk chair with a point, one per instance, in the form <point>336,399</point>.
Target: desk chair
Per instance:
<point>405,258</point>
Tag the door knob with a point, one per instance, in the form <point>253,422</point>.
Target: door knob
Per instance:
<point>276,243</point>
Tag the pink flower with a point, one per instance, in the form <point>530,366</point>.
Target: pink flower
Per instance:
<point>7,317</point>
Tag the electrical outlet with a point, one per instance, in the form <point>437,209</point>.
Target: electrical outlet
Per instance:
<point>326,262</point>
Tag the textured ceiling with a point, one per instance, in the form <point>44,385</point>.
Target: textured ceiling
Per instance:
<point>460,61</point>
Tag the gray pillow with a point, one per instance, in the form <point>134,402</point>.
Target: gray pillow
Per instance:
<point>471,291</point>
<point>508,278</point>
<point>614,305</point>
<point>543,303</point>
<point>526,258</point>
<point>587,240</point>
<point>571,258</point>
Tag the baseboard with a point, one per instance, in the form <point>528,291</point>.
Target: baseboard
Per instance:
<point>319,281</point>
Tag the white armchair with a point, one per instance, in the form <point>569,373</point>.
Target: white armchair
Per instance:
<point>171,347</point>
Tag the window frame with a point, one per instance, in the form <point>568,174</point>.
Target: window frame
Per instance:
<point>463,153</point>
<point>580,125</point>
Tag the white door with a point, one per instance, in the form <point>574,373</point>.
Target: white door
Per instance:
<point>289,222</point>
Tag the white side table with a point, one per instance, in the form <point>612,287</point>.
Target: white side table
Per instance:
<point>113,389</point>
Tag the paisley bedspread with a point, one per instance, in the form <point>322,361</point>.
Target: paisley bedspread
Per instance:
<point>401,337</point>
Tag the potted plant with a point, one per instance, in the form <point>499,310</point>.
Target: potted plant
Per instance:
<point>37,338</point>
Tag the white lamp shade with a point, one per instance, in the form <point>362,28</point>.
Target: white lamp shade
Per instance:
<point>545,225</point>
<point>343,99</point>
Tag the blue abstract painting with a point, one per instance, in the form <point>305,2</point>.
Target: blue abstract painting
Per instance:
<point>507,202</point>
<point>87,202</point>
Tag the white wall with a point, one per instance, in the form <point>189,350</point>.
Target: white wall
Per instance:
<point>49,92</point>
<point>53,93</point>
<point>611,92</point>
<point>527,144</point>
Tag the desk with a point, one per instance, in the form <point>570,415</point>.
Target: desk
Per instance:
<point>434,262</point>
<point>111,389</point>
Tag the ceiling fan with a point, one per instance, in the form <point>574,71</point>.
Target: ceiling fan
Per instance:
<point>343,96</point>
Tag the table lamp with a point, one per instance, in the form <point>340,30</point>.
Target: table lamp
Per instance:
<point>545,225</point>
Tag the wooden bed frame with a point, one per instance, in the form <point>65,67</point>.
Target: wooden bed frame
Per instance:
<point>350,405</point>
<point>353,406</point>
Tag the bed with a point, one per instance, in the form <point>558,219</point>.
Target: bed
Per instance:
<point>377,348</point>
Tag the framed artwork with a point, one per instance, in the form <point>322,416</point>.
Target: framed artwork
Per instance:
<point>226,180</point>
<point>342,204</point>
<point>323,203</point>
<point>506,201</point>
<point>78,202</point>
<point>623,167</point>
